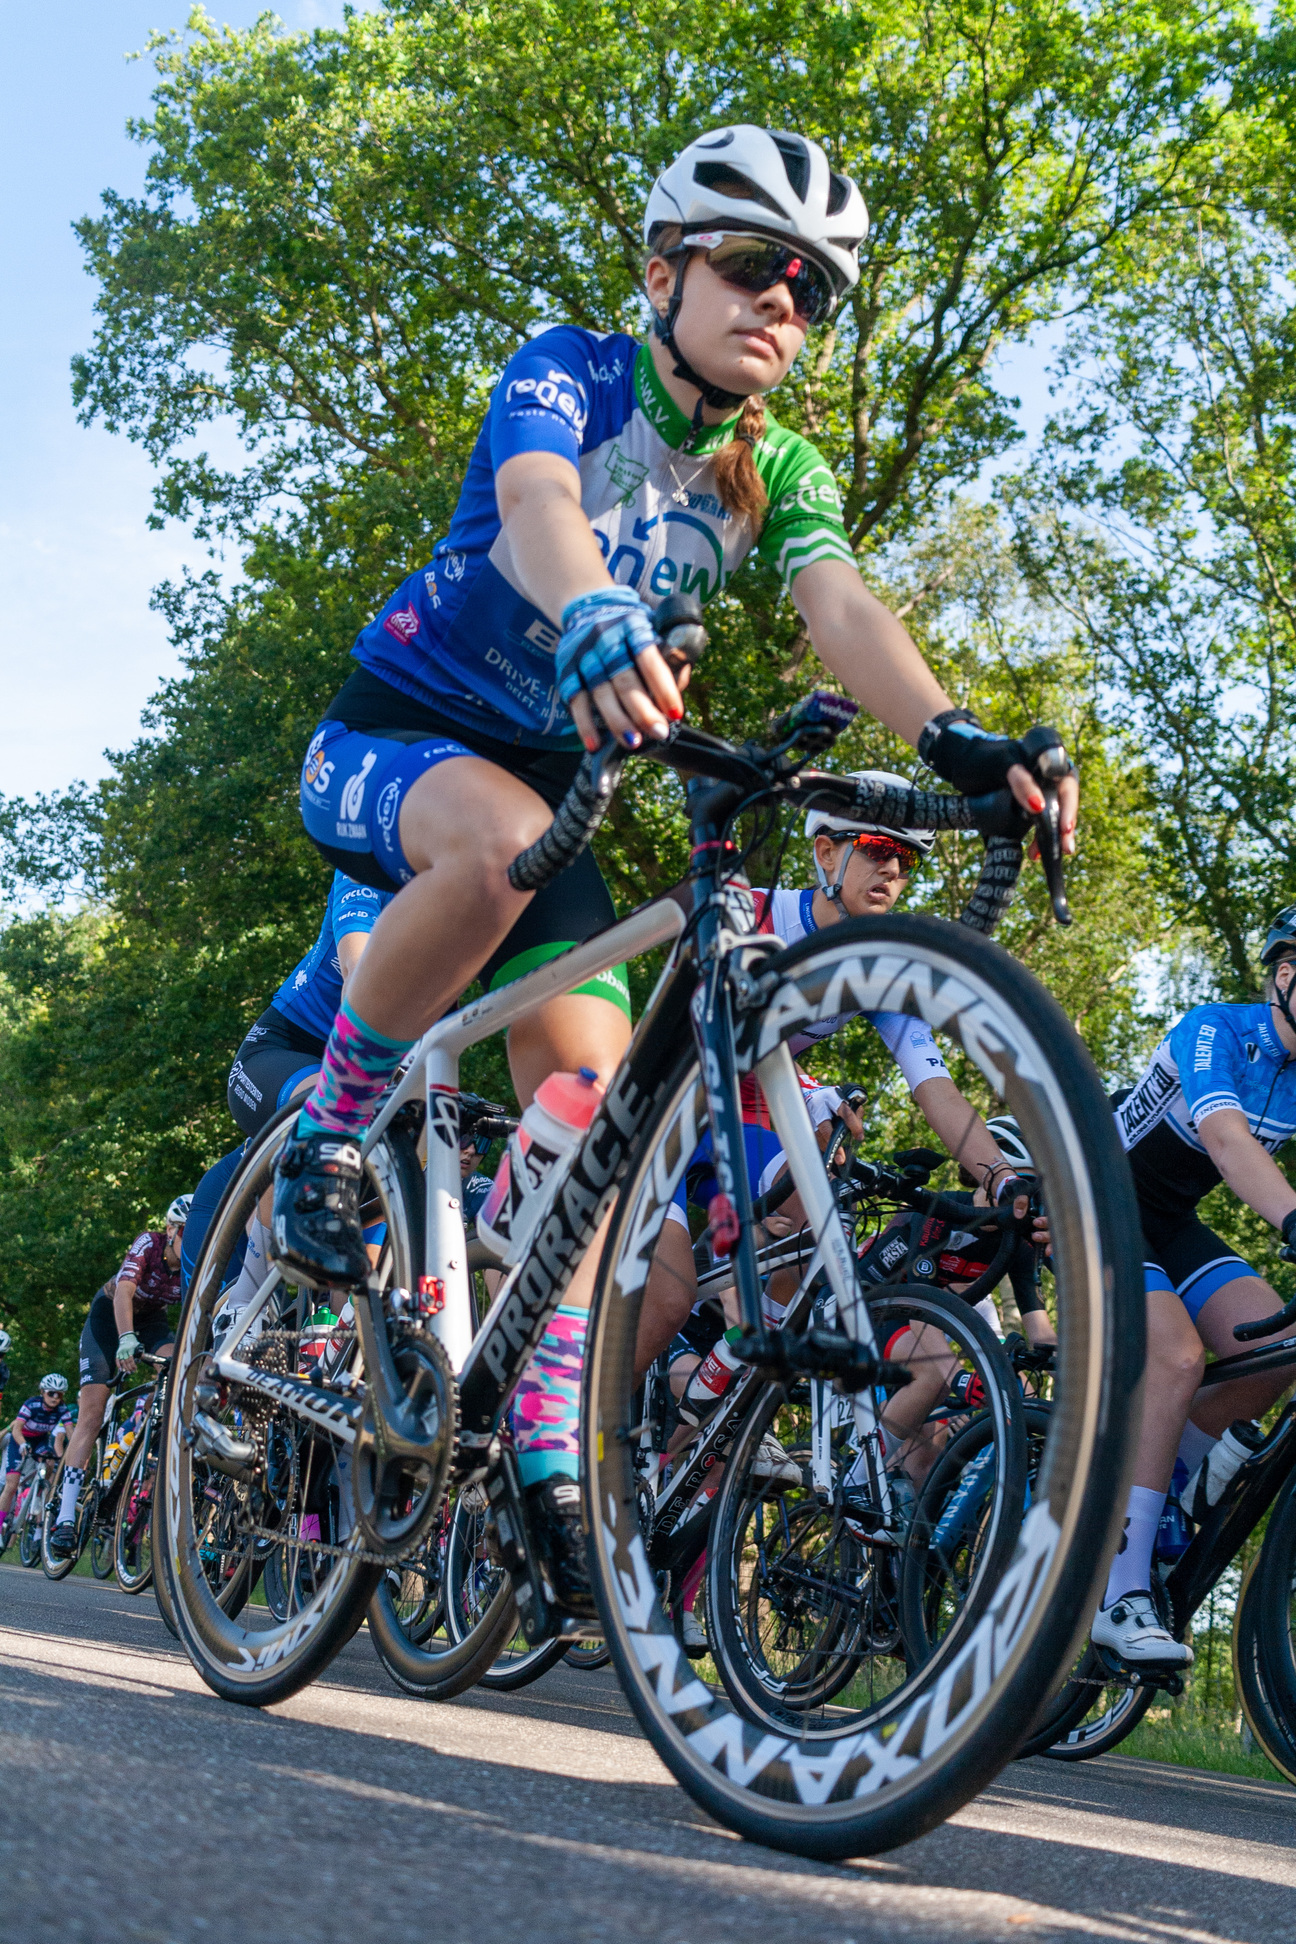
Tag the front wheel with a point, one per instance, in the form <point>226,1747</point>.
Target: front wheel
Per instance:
<point>877,1774</point>
<point>86,1508</point>
<point>133,1526</point>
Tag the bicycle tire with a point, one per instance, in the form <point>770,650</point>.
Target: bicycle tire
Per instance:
<point>29,1530</point>
<point>257,1666</point>
<point>87,1505</point>
<point>940,1737</point>
<point>865,1624</point>
<point>588,1655</point>
<point>437,1668</point>
<point>101,1550</point>
<point>1273,1737</point>
<point>1274,1609</point>
<point>133,1525</point>
<point>920,1580</point>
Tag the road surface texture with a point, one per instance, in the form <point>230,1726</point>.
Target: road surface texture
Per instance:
<point>139,1809</point>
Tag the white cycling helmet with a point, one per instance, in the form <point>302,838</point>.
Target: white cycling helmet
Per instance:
<point>178,1213</point>
<point>5,1341</point>
<point>54,1382</point>
<point>838,826</point>
<point>747,181</point>
<point>756,182</point>
<point>1008,1139</point>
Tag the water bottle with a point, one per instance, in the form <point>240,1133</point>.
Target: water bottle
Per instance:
<point>550,1129</point>
<point>112,1459</point>
<point>1174,1535</point>
<point>710,1380</point>
<point>314,1339</point>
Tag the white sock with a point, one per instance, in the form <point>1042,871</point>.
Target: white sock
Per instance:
<point>1132,1566</point>
<point>73,1479</point>
<point>1194,1445</point>
<point>256,1267</point>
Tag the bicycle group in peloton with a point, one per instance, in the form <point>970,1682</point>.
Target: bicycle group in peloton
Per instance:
<point>703,1373</point>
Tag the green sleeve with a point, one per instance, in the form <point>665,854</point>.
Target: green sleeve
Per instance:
<point>804,521</point>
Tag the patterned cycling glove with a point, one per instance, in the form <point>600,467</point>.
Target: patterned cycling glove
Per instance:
<point>602,634</point>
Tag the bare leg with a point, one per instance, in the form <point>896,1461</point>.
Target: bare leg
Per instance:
<point>91,1405</point>
<point>669,1295</point>
<point>1243,1301</point>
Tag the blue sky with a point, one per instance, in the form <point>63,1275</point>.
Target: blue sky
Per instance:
<point>80,650</point>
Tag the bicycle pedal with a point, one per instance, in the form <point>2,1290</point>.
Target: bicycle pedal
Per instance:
<point>1168,1679</point>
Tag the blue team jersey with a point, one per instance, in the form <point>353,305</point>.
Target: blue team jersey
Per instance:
<point>39,1425</point>
<point>460,636</point>
<point>312,993</point>
<point>1217,1056</point>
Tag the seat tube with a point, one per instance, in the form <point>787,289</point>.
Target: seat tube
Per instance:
<point>447,1245</point>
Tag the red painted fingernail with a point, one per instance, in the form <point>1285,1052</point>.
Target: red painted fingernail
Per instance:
<point>676,714</point>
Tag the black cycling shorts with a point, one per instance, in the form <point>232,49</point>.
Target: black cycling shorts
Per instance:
<point>1185,1257</point>
<point>100,1337</point>
<point>272,1062</point>
<point>567,912</point>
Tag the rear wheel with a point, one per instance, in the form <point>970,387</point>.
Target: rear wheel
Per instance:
<point>133,1526</point>
<point>440,1631</point>
<point>1275,1736</point>
<point>86,1508</point>
<point>293,1501</point>
<point>101,1549</point>
<point>881,1773</point>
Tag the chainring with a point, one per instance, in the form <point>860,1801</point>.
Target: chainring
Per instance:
<point>396,1501</point>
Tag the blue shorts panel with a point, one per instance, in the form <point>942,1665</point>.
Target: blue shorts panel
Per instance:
<point>13,1457</point>
<point>1186,1257</point>
<point>352,789</point>
<point>699,1186</point>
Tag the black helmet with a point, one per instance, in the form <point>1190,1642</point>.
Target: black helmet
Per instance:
<point>1281,936</point>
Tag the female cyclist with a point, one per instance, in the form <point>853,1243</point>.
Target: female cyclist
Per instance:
<point>1217,1099</point>
<point>608,473</point>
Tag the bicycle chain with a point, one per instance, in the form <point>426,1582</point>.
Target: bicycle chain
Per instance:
<point>363,1554</point>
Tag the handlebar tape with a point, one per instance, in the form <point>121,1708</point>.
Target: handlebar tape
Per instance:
<point>577,818</point>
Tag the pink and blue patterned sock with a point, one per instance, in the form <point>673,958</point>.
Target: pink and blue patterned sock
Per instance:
<point>545,1414</point>
<point>358,1063</point>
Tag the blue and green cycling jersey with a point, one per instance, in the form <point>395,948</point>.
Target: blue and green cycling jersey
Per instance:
<point>312,992</point>
<point>460,635</point>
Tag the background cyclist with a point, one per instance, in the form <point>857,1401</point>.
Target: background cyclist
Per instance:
<point>1218,1097</point>
<point>861,870</point>
<point>607,473</point>
<point>128,1315</point>
<point>41,1426</point>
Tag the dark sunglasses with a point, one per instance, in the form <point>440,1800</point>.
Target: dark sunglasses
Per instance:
<point>878,849</point>
<point>757,263</point>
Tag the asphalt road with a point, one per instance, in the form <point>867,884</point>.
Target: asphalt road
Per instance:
<point>136,1808</point>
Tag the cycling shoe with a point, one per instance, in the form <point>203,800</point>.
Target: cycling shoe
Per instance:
<point>63,1540</point>
<point>1131,1629</point>
<point>554,1515</point>
<point>772,1467</point>
<point>315,1230</point>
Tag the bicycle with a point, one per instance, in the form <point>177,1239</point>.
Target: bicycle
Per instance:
<point>105,1476</point>
<point>726,1004</point>
<point>1103,1702</point>
<point>132,1532</point>
<point>29,1506</point>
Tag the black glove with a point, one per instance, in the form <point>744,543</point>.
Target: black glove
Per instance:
<point>1289,1228</point>
<point>955,745</point>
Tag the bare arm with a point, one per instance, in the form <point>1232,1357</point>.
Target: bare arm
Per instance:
<point>1247,1168</point>
<point>350,950</point>
<point>878,661</point>
<point>557,557</point>
<point>958,1127</point>
<point>124,1304</point>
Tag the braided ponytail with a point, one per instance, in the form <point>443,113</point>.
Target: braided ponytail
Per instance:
<point>740,486</point>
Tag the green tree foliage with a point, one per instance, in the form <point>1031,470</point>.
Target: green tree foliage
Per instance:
<point>342,236</point>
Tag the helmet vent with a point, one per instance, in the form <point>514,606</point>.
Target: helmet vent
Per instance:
<point>796,160</point>
<point>838,192</point>
<point>739,188</point>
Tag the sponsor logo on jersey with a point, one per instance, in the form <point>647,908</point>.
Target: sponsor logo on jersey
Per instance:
<point>543,635</point>
<point>1204,1051</point>
<point>353,791</point>
<point>404,625</point>
<point>556,391</point>
<point>628,474</point>
<point>386,807</point>
<point>452,565</point>
<point>317,772</point>
<point>1147,1102</point>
